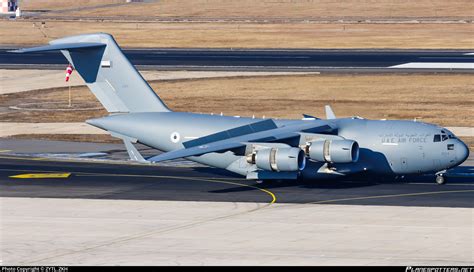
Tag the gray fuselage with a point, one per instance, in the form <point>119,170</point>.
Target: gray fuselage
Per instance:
<point>386,147</point>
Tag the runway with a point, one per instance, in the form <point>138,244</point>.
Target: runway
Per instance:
<point>99,180</point>
<point>329,60</point>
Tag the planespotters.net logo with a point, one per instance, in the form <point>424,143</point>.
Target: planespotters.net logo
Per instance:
<point>438,269</point>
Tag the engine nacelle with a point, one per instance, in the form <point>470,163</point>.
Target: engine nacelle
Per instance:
<point>278,159</point>
<point>333,151</point>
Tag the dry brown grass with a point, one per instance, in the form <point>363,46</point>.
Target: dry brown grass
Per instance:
<point>68,4</point>
<point>95,138</point>
<point>228,35</point>
<point>442,99</point>
<point>269,9</point>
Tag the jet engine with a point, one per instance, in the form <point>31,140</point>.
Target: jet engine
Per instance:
<point>278,159</point>
<point>333,151</point>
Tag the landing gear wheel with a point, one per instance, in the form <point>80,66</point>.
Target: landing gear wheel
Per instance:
<point>440,179</point>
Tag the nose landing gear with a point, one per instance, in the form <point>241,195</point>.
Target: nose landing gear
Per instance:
<point>440,178</point>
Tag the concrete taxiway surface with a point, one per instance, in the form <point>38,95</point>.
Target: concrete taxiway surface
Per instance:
<point>269,60</point>
<point>46,231</point>
<point>57,209</point>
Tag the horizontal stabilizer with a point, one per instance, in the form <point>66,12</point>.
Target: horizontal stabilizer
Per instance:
<point>60,46</point>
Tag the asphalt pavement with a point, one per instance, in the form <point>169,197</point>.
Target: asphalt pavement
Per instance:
<point>331,60</point>
<point>40,177</point>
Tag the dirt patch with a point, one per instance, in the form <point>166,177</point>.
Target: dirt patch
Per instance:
<point>446,100</point>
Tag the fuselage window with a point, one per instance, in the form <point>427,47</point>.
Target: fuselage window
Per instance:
<point>450,146</point>
<point>437,138</point>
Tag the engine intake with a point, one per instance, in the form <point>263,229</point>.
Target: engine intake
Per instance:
<point>278,159</point>
<point>333,151</point>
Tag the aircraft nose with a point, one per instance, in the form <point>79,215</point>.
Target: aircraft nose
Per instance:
<point>462,151</point>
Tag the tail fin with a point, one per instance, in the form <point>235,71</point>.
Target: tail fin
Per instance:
<point>108,73</point>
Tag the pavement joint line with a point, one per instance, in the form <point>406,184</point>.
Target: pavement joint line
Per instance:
<point>148,233</point>
<point>170,229</point>
<point>388,196</point>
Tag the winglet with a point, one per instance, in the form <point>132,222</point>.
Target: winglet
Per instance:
<point>329,113</point>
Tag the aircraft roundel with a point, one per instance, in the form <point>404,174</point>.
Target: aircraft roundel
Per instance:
<point>174,137</point>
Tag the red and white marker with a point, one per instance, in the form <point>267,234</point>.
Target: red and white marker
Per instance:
<point>69,70</point>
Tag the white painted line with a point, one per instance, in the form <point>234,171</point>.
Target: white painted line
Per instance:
<point>447,184</point>
<point>469,54</point>
<point>436,65</point>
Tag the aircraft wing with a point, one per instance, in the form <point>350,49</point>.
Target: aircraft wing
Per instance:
<point>269,135</point>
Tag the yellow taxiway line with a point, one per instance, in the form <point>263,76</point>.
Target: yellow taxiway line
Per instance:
<point>41,175</point>
<point>272,195</point>
<point>53,174</point>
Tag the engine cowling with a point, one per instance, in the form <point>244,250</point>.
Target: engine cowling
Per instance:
<point>334,151</point>
<point>279,159</point>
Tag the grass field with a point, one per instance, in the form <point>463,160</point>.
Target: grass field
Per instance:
<point>442,99</point>
<point>265,9</point>
<point>249,35</point>
<point>131,30</point>
<point>33,5</point>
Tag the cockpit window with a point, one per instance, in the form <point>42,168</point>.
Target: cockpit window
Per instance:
<point>451,136</point>
<point>445,137</point>
<point>437,138</point>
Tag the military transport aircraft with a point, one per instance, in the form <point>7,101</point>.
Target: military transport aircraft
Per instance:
<point>259,149</point>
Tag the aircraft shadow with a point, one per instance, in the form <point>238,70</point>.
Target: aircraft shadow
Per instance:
<point>341,183</point>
